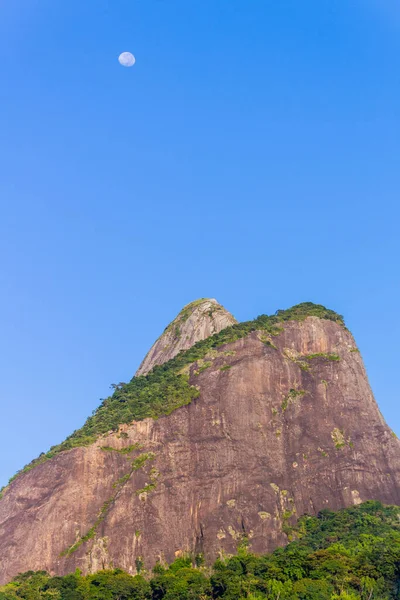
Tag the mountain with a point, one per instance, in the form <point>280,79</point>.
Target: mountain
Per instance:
<point>232,438</point>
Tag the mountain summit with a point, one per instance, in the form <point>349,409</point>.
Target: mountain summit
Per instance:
<point>196,321</point>
<point>231,439</point>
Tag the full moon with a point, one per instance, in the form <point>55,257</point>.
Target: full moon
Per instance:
<point>126,59</point>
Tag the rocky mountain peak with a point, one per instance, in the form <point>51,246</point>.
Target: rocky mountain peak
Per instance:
<point>231,442</point>
<point>196,321</point>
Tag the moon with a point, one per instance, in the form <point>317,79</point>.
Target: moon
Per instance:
<point>126,59</point>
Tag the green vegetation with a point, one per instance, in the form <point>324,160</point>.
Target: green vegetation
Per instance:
<point>334,357</point>
<point>353,554</point>
<point>303,360</point>
<point>303,365</point>
<point>141,459</point>
<point>225,368</point>
<point>122,480</point>
<point>149,487</point>
<point>291,398</point>
<point>340,440</point>
<point>166,388</point>
<point>266,339</point>
<point>202,367</point>
<point>126,450</point>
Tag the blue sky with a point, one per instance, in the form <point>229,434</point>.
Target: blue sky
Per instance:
<point>251,154</point>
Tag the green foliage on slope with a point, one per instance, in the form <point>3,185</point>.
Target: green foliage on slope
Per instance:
<point>165,388</point>
<point>353,554</point>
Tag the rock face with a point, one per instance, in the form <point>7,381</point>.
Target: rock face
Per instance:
<point>283,426</point>
<point>196,321</point>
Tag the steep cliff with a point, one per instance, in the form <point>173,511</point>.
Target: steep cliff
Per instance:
<point>268,420</point>
<point>196,321</point>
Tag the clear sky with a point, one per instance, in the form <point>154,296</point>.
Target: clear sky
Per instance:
<point>251,154</point>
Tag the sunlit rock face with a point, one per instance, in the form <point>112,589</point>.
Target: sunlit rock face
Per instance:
<point>283,425</point>
<point>196,321</point>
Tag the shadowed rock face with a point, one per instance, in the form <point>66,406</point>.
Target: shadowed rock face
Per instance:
<point>195,322</point>
<point>275,433</point>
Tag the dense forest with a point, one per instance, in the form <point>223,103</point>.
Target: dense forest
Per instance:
<point>353,554</point>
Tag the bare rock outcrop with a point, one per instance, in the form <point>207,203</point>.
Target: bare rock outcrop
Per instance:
<point>283,426</point>
<point>196,321</point>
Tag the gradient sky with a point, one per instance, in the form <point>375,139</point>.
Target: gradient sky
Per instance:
<point>251,154</point>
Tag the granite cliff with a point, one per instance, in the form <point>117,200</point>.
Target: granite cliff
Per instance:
<point>196,321</point>
<point>234,437</point>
